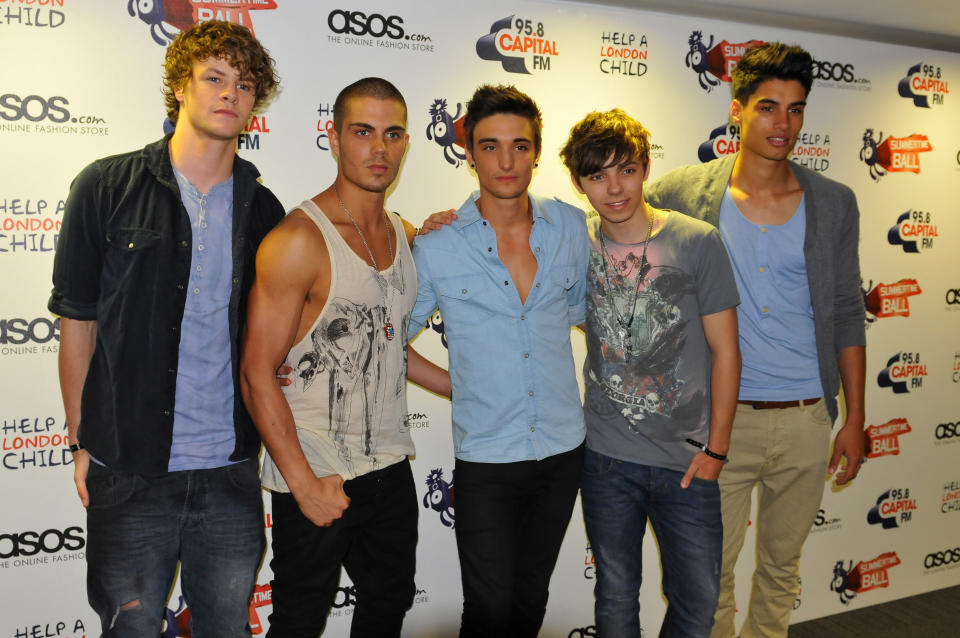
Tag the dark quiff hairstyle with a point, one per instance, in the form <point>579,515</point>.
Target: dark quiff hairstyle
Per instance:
<point>223,41</point>
<point>374,87</point>
<point>598,136</point>
<point>772,61</point>
<point>490,100</point>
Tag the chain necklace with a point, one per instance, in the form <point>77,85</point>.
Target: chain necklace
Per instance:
<point>382,282</point>
<point>624,326</point>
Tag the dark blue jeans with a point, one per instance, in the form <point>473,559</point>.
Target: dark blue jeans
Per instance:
<point>618,497</point>
<point>138,529</point>
<point>375,541</point>
<point>511,519</point>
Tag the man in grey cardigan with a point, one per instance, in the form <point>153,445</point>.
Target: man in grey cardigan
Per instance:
<point>792,236</point>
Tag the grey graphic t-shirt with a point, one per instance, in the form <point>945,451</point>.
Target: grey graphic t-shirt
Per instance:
<point>647,371</point>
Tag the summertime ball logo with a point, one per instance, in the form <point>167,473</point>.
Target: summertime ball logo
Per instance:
<point>884,440</point>
<point>892,154</point>
<point>168,17</point>
<point>713,63</point>
<point>866,575</point>
<point>903,373</point>
<point>515,41</point>
<point>924,84</point>
<point>914,230</point>
<point>889,300</point>
<point>894,508</point>
<point>447,131</point>
<point>439,497</point>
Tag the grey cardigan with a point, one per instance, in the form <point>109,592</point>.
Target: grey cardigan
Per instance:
<point>830,248</point>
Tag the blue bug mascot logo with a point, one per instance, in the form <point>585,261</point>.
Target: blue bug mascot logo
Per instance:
<point>447,131</point>
<point>439,497</point>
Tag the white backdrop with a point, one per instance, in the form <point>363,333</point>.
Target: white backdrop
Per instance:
<point>81,80</point>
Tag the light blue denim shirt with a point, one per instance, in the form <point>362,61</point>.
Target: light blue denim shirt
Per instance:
<point>203,431</point>
<point>775,316</point>
<point>515,393</point>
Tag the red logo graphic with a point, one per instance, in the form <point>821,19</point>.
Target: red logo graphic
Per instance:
<point>901,154</point>
<point>884,439</point>
<point>262,595</point>
<point>892,300</point>
<point>718,59</point>
<point>872,574</point>
<point>183,14</point>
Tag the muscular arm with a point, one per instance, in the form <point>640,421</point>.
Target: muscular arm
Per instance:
<point>721,331</point>
<point>77,340</point>
<point>283,281</point>
<point>849,442</point>
<point>427,374</point>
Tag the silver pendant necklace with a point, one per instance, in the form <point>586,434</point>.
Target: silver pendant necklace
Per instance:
<point>623,327</point>
<point>383,282</point>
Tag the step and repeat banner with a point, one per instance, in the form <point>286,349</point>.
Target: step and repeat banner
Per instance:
<point>82,80</point>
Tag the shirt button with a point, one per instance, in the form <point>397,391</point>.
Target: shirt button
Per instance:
<point>130,245</point>
<point>523,317</point>
<point>180,286</point>
<point>764,309</point>
<point>506,283</point>
<point>199,268</point>
<point>166,413</point>
<point>538,284</point>
<point>489,249</point>
<point>184,243</point>
<point>761,268</point>
<point>530,393</point>
<point>200,247</point>
<point>533,429</point>
<point>463,291</point>
<point>236,281</point>
<point>171,370</point>
<point>526,355</point>
<point>196,291</point>
<point>538,248</point>
<point>484,223</point>
<point>763,230</point>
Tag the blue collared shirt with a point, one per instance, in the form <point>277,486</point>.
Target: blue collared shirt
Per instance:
<point>775,316</point>
<point>515,393</point>
<point>203,433</point>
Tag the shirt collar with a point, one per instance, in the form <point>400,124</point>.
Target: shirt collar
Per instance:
<point>469,213</point>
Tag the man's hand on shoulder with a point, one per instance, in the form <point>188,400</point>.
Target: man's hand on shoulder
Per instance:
<point>323,500</point>
<point>438,220</point>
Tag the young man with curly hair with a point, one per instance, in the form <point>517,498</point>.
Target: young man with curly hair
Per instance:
<point>151,277</point>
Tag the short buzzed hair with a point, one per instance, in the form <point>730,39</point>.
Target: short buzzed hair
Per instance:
<point>374,87</point>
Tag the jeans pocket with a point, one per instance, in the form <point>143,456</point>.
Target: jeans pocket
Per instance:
<point>244,476</point>
<point>596,464</point>
<point>109,488</point>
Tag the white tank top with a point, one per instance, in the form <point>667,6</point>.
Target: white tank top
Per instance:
<point>348,396</point>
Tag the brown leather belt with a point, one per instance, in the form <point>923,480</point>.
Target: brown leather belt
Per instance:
<point>778,405</point>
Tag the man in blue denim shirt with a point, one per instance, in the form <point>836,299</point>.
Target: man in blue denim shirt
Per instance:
<point>151,277</point>
<point>508,278</point>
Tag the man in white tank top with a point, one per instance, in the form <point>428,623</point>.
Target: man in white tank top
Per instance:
<point>334,288</point>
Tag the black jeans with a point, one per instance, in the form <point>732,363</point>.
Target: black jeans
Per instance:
<point>511,518</point>
<point>376,541</point>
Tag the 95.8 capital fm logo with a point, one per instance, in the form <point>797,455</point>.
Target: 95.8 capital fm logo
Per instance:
<point>903,373</point>
<point>520,43</point>
<point>892,154</point>
<point>925,84</point>
<point>350,27</point>
<point>894,508</point>
<point>166,18</point>
<point>47,114</point>
<point>914,230</point>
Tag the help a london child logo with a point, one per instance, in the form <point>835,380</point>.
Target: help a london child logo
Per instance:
<point>623,53</point>
<point>950,499</point>
<point>24,112</point>
<point>34,442</point>
<point>812,150</point>
<point>889,300</point>
<point>850,580</point>
<point>520,43</point>
<point>49,628</point>
<point>372,29</point>
<point>167,18</point>
<point>713,63</point>
<point>892,154</point>
<point>29,225</point>
<point>903,373</point>
<point>925,84</point>
<point>42,14</point>
<point>884,440</point>
<point>914,231</point>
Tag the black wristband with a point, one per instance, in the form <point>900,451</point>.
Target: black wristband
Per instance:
<point>75,447</point>
<point>712,454</point>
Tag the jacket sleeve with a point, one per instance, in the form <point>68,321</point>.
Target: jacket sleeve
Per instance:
<point>848,298</point>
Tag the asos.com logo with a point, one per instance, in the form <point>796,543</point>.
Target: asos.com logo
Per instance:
<point>34,108</point>
<point>359,23</point>
<point>939,559</point>
<point>49,541</point>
